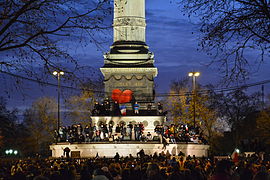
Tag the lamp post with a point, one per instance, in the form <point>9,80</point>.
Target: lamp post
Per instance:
<point>58,74</point>
<point>194,75</point>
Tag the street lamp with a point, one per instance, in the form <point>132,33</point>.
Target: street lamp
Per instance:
<point>11,152</point>
<point>58,74</point>
<point>194,75</point>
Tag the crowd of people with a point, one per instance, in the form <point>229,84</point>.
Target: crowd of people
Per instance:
<point>103,132</point>
<point>121,132</point>
<point>180,133</point>
<point>106,108</point>
<point>161,166</point>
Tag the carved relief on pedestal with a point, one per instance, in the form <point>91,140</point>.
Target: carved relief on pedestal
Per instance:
<point>150,73</point>
<point>129,77</point>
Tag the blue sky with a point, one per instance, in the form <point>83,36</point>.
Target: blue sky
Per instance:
<point>172,37</point>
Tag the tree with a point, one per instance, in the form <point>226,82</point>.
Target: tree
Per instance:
<point>215,113</point>
<point>236,105</point>
<point>231,29</point>
<point>12,132</point>
<point>263,125</point>
<point>33,33</point>
<point>8,124</point>
<point>40,120</point>
<point>176,103</point>
<point>236,108</point>
<point>206,117</point>
<point>181,108</point>
<point>80,107</point>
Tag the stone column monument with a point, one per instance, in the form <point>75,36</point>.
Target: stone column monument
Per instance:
<point>129,65</point>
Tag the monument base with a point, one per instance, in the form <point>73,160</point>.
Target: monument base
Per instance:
<point>106,149</point>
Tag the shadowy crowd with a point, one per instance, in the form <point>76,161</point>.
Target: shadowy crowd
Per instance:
<point>154,167</point>
<point>128,132</point>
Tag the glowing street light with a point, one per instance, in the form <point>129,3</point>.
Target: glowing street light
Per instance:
<point>58,74</point>
<point>11,152</point>
<point>194,75</point>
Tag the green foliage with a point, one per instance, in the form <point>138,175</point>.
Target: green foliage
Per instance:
<point>263,125</point>
<point>177,105</point>
<point>41,121</point>
<point>80,107</point>
<point>181,108</point>
<point>217,112</point>
<point>35,133</point>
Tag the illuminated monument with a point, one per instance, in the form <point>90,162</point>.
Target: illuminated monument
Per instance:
<point>129,65</point>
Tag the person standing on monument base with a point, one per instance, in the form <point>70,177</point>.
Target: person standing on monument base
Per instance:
<point>149,108</point>
<point>159,131</point>
<point>102,111</point>
<point>137,131</point>
<point>123,109</point>
<point>117,132</point>
<point>116,109</point>
<point>123,132</point>
<point>102,132</point>
<point>129,130</point>
<point>97,135</point>
<point>93,130</point>
<point>107,106</point>
<point>136,108</point>
<point>61,133</point>
<point>79,129</point>
<point>106,131</point>
<point>110,130</point>
<point>87,133</point>
<point>159,108</point>
<point>96,109</point>
<point>149,137</point>
<point>117,129</point>
<point>140,131</point>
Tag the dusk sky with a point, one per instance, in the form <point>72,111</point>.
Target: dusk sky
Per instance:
<point>173,39</point>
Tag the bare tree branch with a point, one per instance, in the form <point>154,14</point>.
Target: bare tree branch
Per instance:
<point>33,32</point>
<point>231,27</point>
